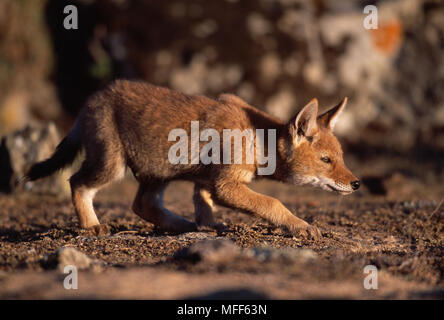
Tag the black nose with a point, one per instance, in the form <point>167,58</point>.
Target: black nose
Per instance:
<point>355,184</point>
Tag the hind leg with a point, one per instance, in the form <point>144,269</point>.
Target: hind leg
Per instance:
<point>148,205</point>
<point>93,175</point>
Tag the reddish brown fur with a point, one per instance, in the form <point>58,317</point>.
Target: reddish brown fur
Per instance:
<point>127,125</point>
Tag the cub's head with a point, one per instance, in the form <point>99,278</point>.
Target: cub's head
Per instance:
<point>312,154</point>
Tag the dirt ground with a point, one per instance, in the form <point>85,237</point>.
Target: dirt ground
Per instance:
<point>401,233</point>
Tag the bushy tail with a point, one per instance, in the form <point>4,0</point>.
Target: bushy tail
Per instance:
<point>63,156</point>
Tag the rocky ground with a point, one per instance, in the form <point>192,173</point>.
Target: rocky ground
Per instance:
<point>400,233</point>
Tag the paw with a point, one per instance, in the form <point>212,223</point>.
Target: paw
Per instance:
<point>307,232</point>
<point>99,230</point>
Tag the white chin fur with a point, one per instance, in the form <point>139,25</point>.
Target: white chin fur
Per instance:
<point>323,183</point>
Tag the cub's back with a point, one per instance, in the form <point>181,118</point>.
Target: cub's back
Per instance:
<point>144,115</point>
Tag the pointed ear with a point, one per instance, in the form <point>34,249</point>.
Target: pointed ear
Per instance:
<point>329,118</point>
<point>304,124</point>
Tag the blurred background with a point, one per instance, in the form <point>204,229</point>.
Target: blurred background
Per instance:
<point>275,54</point>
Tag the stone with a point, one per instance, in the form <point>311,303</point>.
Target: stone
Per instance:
<point>269,254</point>
<point>210,251</point>
<point>69,256</point>
<point>22,148</point>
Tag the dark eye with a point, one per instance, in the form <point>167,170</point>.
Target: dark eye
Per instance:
<point>326,159</point>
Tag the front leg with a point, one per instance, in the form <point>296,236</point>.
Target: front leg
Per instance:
<point>237,195</point>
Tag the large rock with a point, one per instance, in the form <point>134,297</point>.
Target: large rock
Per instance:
<point>21,149</point>
<point>283,53</point>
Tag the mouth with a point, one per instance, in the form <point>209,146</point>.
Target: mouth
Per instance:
<point>334,189</point>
